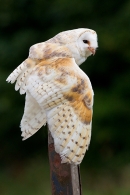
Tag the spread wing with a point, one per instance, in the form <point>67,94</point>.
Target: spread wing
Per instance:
<point>58,91</point>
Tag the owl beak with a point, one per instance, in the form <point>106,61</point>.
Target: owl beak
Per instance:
<point>93,50</point>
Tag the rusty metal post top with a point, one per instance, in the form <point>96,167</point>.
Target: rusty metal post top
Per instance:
<point>65,178</point>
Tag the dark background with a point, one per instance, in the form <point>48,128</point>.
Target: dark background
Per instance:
<point>24,167</point>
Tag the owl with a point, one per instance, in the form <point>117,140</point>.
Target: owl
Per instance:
<point>58,92</point>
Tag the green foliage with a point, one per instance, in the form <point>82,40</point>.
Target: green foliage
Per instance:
<point>24,23</point>
<point>32,178</point>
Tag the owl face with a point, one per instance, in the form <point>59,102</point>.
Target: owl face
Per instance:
<point>87,43</point>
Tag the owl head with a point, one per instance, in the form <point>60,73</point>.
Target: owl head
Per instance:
<point>81,42</point>
<point>78,44</point>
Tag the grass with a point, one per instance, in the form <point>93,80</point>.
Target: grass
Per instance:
<point>33,178</point>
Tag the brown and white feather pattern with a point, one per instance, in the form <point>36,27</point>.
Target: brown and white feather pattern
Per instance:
<point>57,92</point>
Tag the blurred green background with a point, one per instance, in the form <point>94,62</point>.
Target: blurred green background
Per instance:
<point>24,167</point>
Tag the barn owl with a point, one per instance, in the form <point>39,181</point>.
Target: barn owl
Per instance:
<point>58,92</point>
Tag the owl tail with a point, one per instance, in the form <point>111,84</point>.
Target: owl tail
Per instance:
<point>71,136</point>
<point>20,75</point>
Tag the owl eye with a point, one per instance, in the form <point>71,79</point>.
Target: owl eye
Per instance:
<point>86,41</point>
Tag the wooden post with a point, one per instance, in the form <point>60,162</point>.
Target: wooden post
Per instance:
<point>65,178</point>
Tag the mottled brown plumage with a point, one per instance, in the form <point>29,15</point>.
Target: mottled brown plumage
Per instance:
<point>58,91</point>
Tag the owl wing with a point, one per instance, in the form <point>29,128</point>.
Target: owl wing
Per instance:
<point>65,93</point>
<point>61,94</point>
<point>34,116</point>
